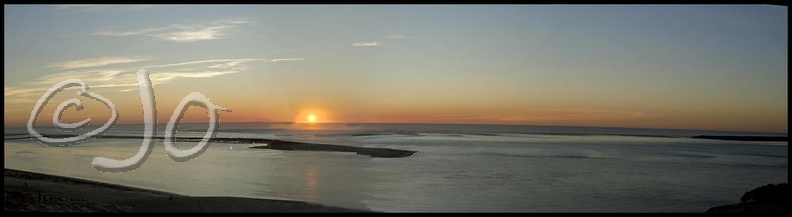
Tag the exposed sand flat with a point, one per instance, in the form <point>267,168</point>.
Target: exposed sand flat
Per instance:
<point>373,152</point>
<point>278,145</point>
<point>27,191</point>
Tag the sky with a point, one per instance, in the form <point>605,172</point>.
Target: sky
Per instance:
<point>709,67</point>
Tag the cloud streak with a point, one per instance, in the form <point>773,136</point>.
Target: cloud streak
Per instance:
<point>397,36</point>
<point>367,44</point>
<point>104,73</point>
<point>95,7</point>
<point>124,78</point>
<point>94,62</point>
<point>181,33</point>
<point>286,59</point>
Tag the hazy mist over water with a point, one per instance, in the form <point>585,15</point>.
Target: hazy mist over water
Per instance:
<point>475,168</point>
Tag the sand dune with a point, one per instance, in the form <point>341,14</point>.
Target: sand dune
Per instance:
<point>27,191</point>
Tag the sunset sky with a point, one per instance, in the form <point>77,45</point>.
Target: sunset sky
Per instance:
<point>682,67</point>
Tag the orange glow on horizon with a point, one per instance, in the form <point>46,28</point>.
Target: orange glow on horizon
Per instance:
<point>311,115</point>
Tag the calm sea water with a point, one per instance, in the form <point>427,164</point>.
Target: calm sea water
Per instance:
<point>458,168</point>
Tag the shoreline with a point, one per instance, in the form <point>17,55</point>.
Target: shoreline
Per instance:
<point>37,192</point>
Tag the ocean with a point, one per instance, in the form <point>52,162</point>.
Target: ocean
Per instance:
<point>457,168</point>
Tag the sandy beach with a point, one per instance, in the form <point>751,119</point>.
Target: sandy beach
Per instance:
<point>35,192</point>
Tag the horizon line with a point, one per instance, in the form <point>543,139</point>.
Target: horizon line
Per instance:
<point>478,124</point>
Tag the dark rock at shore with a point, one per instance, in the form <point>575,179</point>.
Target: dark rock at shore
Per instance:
<point>770,198</point>
<point>745,138</point>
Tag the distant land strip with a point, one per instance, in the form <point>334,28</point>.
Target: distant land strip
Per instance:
<point>745,138</point>
<point>273,144</point>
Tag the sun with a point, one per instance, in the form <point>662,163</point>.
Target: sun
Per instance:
<point>312,118</point>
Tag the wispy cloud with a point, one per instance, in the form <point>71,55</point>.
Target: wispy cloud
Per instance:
<point>181,33</point>
<point>95,7</point>
<point>124,78</point>
<point>168,76</point>
<point>222,62</point>
<point>397,36</point>
<point>130,33</point>
<point>94,62</point>
<point>14,91</point>
<point>367,44</point>
<point>286,59</point>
